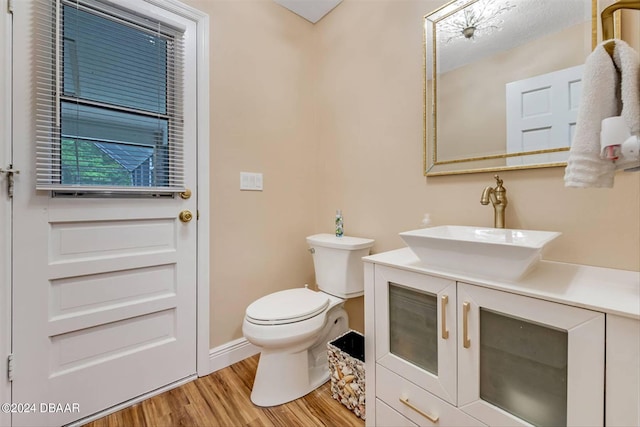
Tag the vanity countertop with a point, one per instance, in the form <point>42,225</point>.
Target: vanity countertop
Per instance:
<point>596,288</point>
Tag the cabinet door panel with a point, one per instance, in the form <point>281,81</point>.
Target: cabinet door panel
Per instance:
<point>528,361</point>
<point>415,329</point>
<point>623,371</point>
<point>413,326</point>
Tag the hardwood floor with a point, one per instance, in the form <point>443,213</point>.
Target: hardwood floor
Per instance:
<point>222,399</point>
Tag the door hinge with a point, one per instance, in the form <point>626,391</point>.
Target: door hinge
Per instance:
<point>197,215</point>
<point>10,6</point>
<point>10,367</point>
<point>10,173</point>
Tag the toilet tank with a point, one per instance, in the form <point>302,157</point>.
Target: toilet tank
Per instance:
<point>338,263</point>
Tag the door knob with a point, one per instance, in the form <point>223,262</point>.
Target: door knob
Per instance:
<point>185,216</point>
<point>185,194</point>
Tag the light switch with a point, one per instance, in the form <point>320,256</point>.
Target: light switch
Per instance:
<point>250,181</point>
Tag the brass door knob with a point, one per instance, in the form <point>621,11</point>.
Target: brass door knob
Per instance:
<point>185,194</point>
<point>185,216</point>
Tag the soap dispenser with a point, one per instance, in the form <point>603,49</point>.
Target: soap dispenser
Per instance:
<point>339,224</point>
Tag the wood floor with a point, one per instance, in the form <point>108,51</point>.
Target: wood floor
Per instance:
<point>222,399</point>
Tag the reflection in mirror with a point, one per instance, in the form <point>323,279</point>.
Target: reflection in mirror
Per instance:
<point>503,82</point>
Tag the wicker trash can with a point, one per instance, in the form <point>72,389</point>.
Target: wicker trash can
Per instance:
<point>346,364</point>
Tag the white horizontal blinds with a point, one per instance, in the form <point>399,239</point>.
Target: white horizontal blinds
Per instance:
<point>110,107</point>
<point>47,123</point>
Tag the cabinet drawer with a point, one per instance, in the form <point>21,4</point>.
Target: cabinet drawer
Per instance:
<point>419,405</point>
<point>388,417</point>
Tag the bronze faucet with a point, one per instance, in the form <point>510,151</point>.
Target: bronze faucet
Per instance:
<point>498,197</point>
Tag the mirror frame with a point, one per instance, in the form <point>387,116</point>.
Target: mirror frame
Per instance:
<point>427,131</point>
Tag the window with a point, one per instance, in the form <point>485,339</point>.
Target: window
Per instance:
<point>109,100</point>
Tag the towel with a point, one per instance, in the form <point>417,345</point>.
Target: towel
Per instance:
<point>610,87</point>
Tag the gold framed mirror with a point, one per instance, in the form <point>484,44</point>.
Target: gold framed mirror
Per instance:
<point>502,82</point>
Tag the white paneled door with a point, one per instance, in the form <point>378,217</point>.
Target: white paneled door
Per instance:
<point>104,288</point>
<point>541,115</point>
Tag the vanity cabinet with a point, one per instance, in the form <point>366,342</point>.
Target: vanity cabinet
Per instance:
<point>528,361</point>
<point>451,352</point>
<point>623,371</point>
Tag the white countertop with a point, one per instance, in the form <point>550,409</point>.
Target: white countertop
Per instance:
<point>596,288</point>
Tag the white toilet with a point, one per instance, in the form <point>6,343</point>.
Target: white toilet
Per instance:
<point>293,326</point>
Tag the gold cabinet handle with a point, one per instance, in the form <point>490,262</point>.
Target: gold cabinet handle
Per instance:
<point>405,401</point>
<point>185,216</point>
<point>466,342</point>
<point>444,299</point>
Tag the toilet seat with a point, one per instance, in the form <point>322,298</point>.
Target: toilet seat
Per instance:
<point>289,306</point>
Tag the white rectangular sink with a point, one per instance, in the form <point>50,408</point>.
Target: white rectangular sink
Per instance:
<point>494,253</point>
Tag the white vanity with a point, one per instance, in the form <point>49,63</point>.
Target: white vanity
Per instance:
<point>447,349</point>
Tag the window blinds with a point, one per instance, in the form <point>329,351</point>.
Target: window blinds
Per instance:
<point>109,107</point>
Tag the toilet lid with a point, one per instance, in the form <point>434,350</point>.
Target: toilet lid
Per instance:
<point>292,305</point>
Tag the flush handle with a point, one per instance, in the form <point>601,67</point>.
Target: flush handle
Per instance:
<point>185,216</point>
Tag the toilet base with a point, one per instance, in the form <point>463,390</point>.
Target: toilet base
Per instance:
<point>282,377</point>
<point>274,386</point>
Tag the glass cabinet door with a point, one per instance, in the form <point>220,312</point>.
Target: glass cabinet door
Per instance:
<point>524,361</point>
<point>413,326</point>
<point>415,329</point>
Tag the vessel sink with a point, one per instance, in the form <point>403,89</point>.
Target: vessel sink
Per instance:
<point>494,253</point>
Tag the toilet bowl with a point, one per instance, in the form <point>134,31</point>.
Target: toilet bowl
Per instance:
<point>292,327</point>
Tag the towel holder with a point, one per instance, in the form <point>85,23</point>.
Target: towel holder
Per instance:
<point>608,27</point>
<point>606,16</point>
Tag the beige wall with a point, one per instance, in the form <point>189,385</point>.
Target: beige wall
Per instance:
<point>332,115</point>
<point>370,157</point>
<point>262,120</point>
<point>630,27</point>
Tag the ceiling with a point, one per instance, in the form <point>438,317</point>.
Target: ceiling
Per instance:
<point>311,10</point>
<point>527,21</point>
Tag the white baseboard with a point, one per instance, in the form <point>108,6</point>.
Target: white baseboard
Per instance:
<point>229,353</point>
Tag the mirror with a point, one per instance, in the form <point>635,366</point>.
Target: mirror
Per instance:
<point>503,83</point>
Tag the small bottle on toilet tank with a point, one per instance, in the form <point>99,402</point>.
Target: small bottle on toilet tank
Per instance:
<point>339,224</point>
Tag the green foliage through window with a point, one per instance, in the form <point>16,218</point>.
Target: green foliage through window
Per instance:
<point>84,163</point>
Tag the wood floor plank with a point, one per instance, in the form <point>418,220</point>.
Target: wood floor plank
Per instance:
<point>222,399</point>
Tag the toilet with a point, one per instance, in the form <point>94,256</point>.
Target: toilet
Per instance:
<point>292,327</point>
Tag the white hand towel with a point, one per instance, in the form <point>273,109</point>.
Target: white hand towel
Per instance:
<point>606,92</point>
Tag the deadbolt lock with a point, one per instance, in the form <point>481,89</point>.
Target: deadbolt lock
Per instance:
<point>185,216</point>
<point>185,194</point>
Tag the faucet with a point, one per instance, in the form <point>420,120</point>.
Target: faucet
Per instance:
<point>498,197</point>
